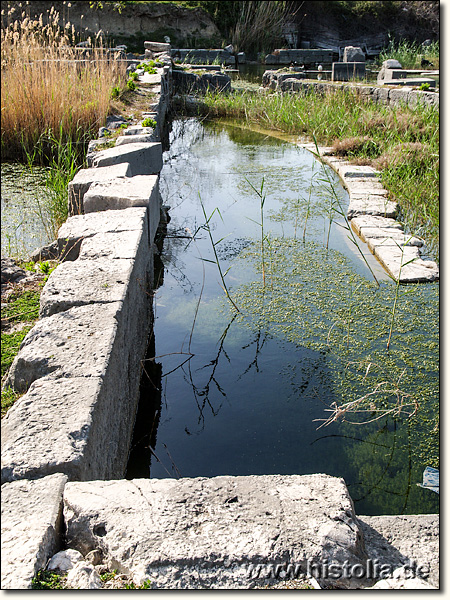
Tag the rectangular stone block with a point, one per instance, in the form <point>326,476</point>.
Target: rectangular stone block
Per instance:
<point>348,71</point>
<point>80,227</point>
<point>358,223</point>
<point>79,282</point>
<point>394,260</point>
<point>371,204</point>
<point>31,528</point>
<point>139,191</point>
<point>74,343</point>
<point>157,46</point>
<point>144,159</point>
<point>85,177</point>
<point>147,138</point>
<point>208,532</point>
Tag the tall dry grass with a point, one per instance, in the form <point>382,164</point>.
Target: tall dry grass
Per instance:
<point>47,91</point>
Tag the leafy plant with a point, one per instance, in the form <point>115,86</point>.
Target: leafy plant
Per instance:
<point>131,85</point>
<point>146,585</point>
<point>115,92</point>
<point>48,580</point>
<point>424,87</point>
<point>148,122</point>
<point>134,76</point>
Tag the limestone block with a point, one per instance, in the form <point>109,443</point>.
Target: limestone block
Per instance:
<point>157,46</point>
<point>359,185</point>
<point>31,527</point>
<point>138,191</point>
<point>208,532</point>
<point>353,54</point>
<point>395,261</point>
<point>398,97</point>
<point>404,539</point>
<point>151,78</point>
<point>381,95</point>
<point>85,282</point>
<point>358,223</point>
<point>65,560</point>
<point>83,577</point>
<point>371,204</point>
<point>375,239</point>
<point>138,131</point>
<point>74,343</point>
<point>79,426</point>
<point>85,177</point>
<point>136,139</point>
<point>79,227</point>
<point>144,159</point>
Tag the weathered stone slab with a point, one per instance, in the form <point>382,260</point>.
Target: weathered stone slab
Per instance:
<point>404,540</point>
<point>373,221</point>
<point>353,54</point>
<point>31,528</point>
<point>144,159</point>
<point>208,533</point>
<point>85,177</point>
<point>138,191</point>
<point>151,78</point>
<point>372,204</point>
<point>364,185</point>
<point>85,282</point>
<point>74,343</point>
<point>375,239</point>
<point>157,46</point>
<point>395,261</point>
<point>136,139</point>
<point>138,131</point>
<point>80,227</point>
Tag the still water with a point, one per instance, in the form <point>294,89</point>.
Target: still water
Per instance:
<point>23,221</point>
<point>248,392</point>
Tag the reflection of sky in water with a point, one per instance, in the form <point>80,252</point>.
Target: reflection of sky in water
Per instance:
<point>21,194</point>
<point>241,395</point>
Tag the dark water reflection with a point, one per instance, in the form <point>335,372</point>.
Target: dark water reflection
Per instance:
<point>233,394</point>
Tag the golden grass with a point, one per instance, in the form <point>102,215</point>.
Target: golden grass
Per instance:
<point>45,87</point>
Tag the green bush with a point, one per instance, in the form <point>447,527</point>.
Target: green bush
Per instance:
<point>149,122</point>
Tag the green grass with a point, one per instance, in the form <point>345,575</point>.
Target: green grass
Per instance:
<point>402,142</point>
<point>20,308</point>
<point>410,54</point>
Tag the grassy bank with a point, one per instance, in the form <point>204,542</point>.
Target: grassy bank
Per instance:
<point>20,311</point>
<point>402,142</point>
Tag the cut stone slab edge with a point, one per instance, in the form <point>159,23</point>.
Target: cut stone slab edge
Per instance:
<point>353,176</point>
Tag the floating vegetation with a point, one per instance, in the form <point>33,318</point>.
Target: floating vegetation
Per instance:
<point>316,300</point>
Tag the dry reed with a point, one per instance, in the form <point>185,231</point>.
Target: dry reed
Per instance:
<point>47,88</point>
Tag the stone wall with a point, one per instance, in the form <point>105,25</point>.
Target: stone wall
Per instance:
<point>391,96</point>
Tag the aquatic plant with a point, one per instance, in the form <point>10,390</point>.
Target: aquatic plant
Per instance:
<point>206,227</point>
<point>403,142</point>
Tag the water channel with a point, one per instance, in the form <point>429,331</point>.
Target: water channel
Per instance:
<point>229,392</point>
